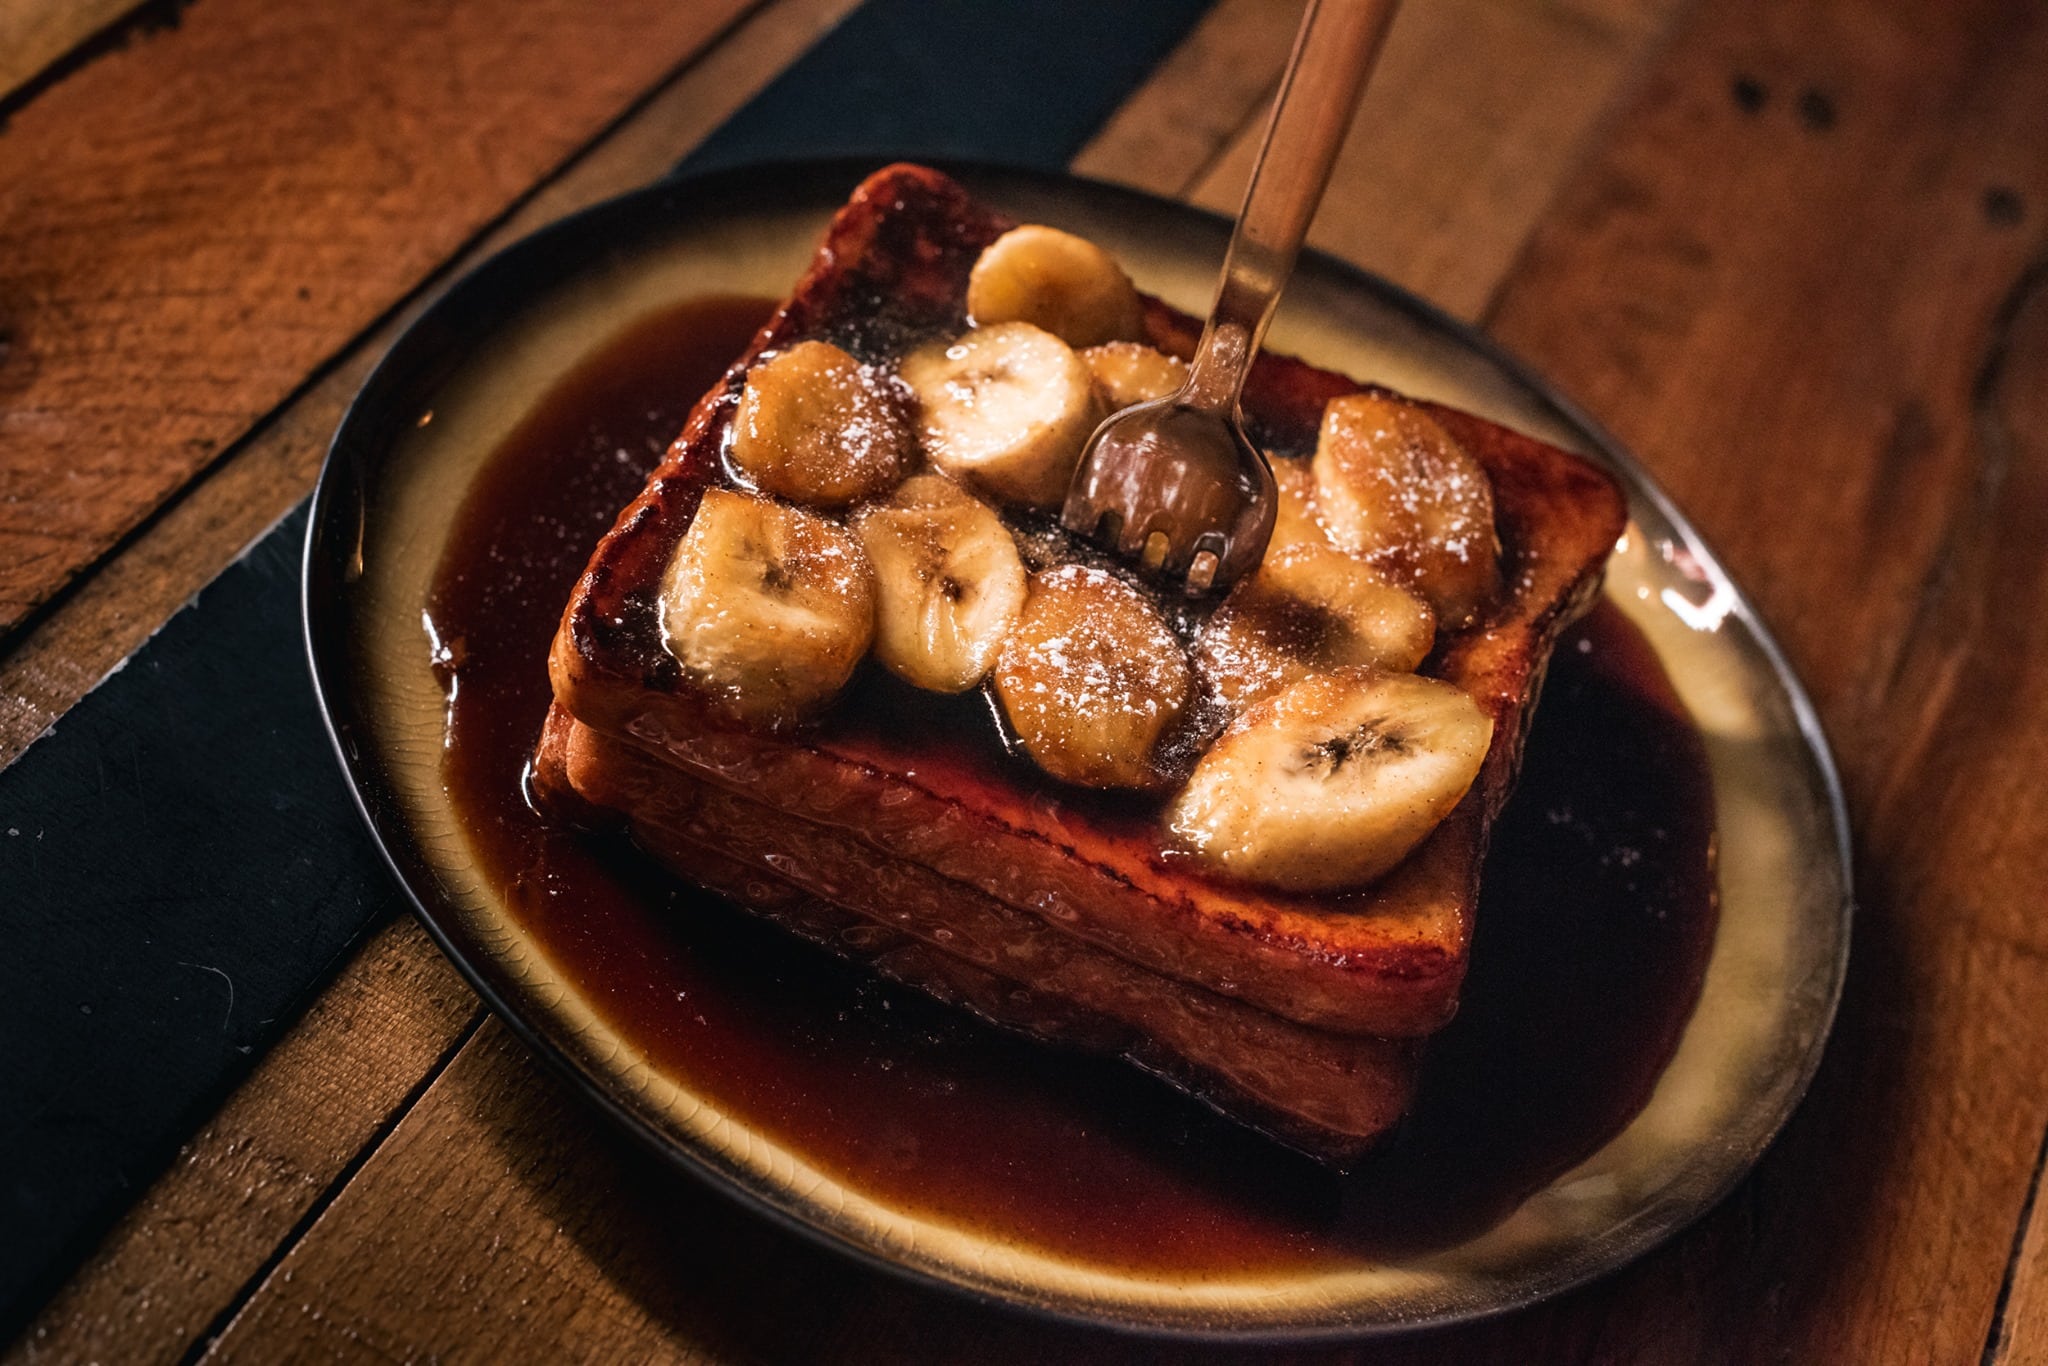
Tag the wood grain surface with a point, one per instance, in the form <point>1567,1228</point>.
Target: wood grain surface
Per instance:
<point>1794,254</point>
<point>35,35</point>
<point>193,222</point>
<point>1805,281</point>
<point>2021,1339</point>
<point>1473,117</point>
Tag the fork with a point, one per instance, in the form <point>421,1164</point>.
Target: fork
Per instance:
<point>1175,483</point>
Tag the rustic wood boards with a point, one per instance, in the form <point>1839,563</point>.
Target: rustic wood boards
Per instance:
<point>36,35</point>
<point>1805,280</point>
<point>192,224</point>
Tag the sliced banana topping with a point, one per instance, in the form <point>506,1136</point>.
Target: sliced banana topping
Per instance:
<point>1091,679</point>
<point>1294,517</point>
<point>1332,782</point>
<point>767,607</point>
<point>1004,409</point>
<point>1394,487</point>
<point>948,583</point>
<point>1339,759</point>
<point>1054,280</point>
<point>1309,609</point>
<point>1131,372</point>
<point>816,426</point>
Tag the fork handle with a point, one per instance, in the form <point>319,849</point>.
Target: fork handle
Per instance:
<point>1333,51</point>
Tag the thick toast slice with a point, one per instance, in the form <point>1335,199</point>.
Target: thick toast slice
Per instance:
<point>1386,960</point>
<point>1328,1095</point>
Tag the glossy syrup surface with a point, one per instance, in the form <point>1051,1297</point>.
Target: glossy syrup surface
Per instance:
<point>1592,937</point>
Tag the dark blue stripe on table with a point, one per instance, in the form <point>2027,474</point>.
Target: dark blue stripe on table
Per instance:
<point>1026,82</point>
<point>180,863</point>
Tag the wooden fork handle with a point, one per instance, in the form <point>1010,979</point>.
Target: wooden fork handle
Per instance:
<point>1334,50</point>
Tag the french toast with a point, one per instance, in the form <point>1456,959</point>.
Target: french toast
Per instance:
<point>1039,904</point>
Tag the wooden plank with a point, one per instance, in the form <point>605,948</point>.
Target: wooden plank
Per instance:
<point>36,33</point>
<point>2013,423</point>
<point>501,1222</point>
<point>2022,1336</point>
<point>382,1017</point>
<point>570,1240</point>
<point>1451,160</point>
<point>1217,82</point>
<point>116,607</point>
<point>190,225</point>
<point>269,1157</point>
<point>564,1201</point>
<point>1805,282</point>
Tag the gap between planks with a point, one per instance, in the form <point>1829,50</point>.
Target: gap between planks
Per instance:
<point>38,38</point>
<point>2019,1325</point>
<point>1787,287</point>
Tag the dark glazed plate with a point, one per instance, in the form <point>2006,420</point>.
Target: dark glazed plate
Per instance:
<point>454,386</point>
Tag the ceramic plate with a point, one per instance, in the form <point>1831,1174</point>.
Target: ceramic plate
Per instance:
<point>479,357</point>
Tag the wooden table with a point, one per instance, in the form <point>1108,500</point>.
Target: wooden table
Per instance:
<point>1793,252</point>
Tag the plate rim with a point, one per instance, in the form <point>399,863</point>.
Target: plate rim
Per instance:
<point>487,294</point>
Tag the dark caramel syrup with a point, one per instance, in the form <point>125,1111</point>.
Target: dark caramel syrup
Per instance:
<point>1592,937</point>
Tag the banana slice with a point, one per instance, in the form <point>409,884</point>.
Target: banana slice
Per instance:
<point>1394,487</point>
<point>1091,679</point>
<point>815,426</point>
<point>1055,280</point>
<point>1131,372</point>
<point>1331,783</point>
<point>1006,409</point>
<point>1294,518</point>
<point>767,607</point>
<point>948,583</point>
<point>1309,609</point>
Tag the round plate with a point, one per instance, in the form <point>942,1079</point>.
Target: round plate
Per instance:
<point>479,357</point>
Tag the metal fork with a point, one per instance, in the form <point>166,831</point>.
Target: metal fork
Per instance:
<point>1175,483</point>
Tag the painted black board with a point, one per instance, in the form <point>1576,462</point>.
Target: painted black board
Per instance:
<point>181,866</point>
<point>179,863</point>
<point>1024,82</point>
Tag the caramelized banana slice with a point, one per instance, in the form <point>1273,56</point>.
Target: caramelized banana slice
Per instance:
<point>1091,679</point>
<point>1309,609</point>
<point>767,607</point>
<point>1294,519</point>
<point>816,427</point>
<point>1005,409</point>
<point>1394,487</point>
<point>948,583</point>
<point>1132,372</point>
<point>1331,783</point>
<point>1054,280</point>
